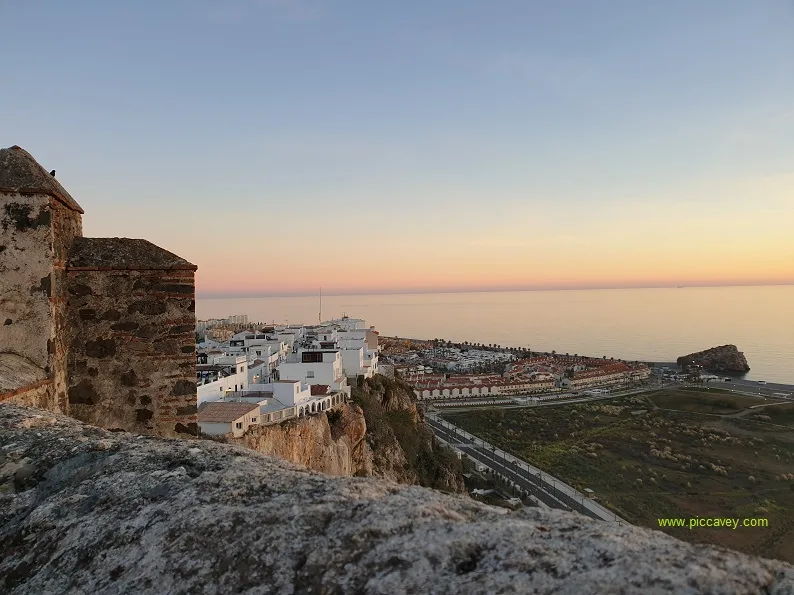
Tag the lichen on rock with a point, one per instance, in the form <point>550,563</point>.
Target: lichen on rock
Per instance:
<point>83,510</point>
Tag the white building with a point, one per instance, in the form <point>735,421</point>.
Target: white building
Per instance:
<point>222,417</point>
<point>316,366</point>
<point>349,324</point>
<point>217,375</point>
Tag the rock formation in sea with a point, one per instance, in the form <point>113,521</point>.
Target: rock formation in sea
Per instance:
<point>85,510</point>
<point>726,358</point>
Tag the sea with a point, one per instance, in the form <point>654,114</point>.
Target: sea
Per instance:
<point>634,324</point>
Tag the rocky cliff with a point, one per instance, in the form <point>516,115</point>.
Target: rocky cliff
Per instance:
<point>381,433</point>
<point>83,510</point>
<point>336,447</point>
<point>404,448</point>
<point>726,358</point>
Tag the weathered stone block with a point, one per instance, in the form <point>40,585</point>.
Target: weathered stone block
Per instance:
<point>184,387</point>
<point>190,429</point>
<point>147,307</point>
<point>186,410</point>
<point>83,393</point>
<point>79,289</point>
<point>23,216</point>
<point>143,415</point>
<point>100,348</point>
<point>87,314</point>
<point>128,378</point>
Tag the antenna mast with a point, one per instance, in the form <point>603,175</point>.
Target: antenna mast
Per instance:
<point>320,316</point>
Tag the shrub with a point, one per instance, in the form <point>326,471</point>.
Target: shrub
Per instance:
<point>334,416</point>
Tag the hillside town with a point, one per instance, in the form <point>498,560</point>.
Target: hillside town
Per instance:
<point>256,373</point>
<point>431,367</point>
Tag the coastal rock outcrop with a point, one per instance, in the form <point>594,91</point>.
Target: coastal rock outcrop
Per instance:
<point>726,358</point>
<point>403,445</point>
<point>84,510</point>
<point>336,447</point>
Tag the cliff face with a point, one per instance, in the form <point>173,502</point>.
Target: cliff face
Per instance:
<point>336,448</point>
<point>83,510</point>
<point>404,447</point>
<point>380,433</point>
<point>726,358</point>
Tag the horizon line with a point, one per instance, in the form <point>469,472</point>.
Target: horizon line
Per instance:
<point>394,291</point>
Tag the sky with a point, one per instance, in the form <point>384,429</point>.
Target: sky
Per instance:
<point>434,145</point>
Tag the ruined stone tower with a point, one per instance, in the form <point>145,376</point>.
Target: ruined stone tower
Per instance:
<point>98,328</point>
<point>39,222</point>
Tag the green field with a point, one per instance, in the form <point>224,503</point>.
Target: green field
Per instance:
<point>776,414</point>
<point>691,453</point>
<point>704,401</point>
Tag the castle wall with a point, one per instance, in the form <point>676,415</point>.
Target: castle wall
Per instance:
<point>132,362</point>
<point>35,233</point>
<point>66,226</point>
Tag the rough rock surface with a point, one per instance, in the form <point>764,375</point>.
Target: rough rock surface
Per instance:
<point>83,510</point>
<point>725,358</point>
<point>314,443</point>
<point>403,445</point>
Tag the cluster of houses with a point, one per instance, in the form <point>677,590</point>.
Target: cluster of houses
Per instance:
<point>275,372</point>
<point>527,376</point>
<point>453,359</point>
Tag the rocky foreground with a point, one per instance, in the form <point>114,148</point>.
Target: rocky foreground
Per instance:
<point>725,358</point>
<point>83,510</point>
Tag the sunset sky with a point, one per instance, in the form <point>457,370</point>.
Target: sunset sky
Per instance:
<point>360,146</point>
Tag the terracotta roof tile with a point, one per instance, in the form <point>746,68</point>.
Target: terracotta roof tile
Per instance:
<point>224,411</point>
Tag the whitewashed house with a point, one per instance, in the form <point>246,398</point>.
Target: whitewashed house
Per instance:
<point>217,375</point>
<point>222,417</point>
<point>316,366</point>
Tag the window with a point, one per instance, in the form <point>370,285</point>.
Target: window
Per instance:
<point>239,425</point>
<point>312,357</point>
<point>253,420</point>
<point>310,374</point>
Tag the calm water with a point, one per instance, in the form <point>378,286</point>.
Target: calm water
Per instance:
<point>644,324</point>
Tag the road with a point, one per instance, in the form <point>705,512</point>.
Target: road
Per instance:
<point>548,489</point>
<point>562,400</point>
<point>750,386</point>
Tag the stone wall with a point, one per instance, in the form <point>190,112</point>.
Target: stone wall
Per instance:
<point>36,232</point>
<point>132,362</point>
<point>100,328</point>
<point>25,268</point>
<point>66,226</point>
